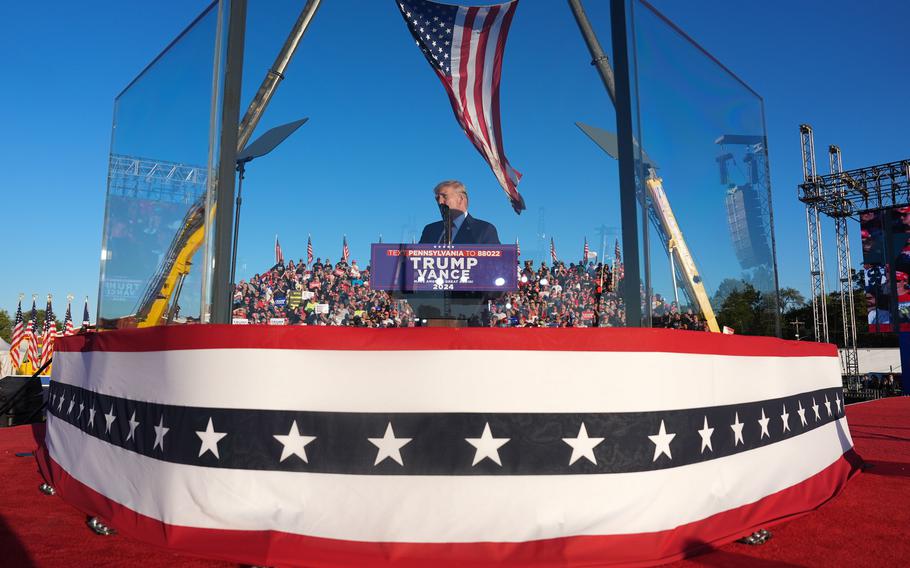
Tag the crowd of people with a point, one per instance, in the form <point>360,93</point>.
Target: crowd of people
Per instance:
<point>561,295</point>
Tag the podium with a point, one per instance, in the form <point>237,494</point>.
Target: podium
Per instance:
<point>445,285</point>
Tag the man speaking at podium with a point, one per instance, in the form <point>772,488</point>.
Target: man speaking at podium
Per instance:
<point>452,199</point>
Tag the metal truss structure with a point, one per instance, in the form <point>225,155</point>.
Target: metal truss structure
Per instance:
<point>814,232</point>
<point>841,195</point>
<point>156,180</point>
<point>869,188</point>
<point>849,358</point>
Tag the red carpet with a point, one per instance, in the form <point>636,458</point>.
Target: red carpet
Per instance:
<point>865,526</point>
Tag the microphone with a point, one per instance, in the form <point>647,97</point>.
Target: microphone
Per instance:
<point>446,223</point>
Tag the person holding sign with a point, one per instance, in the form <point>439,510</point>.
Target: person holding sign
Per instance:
<point>452,199</point>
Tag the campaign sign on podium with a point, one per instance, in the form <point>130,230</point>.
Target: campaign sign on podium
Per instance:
<point>456,268</point>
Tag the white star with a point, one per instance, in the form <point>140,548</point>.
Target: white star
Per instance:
<point>786,419</point>
<point>69,409</point>
<point>662,442</point>
<point>802,413</point>
<point>583,446</point>
<point>81,408</point>
<point>294,443</point>
<point>60,403</point>
<point>389,446</point>
<point>763,422</point>
<point>737,431</point>
<point>828,405</point>
<point>109,418</point>
<point>837,399</point>
<point>705,434</point>
<point>91,416</point>
<point>133,424</point>
<point>160,431</point>
<point>210,439</point>
<point>487,446</point>
<point>815,408</point>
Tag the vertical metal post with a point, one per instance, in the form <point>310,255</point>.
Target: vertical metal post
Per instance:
<point>813,230</point>
<point>628,199</point>
<point>224,190</point>
<point>850,358</point>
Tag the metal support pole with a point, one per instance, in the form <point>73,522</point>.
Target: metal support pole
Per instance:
<point>850,358</point>
<point>813,230</point>
<point>618,86</point>
<point>224,189</point>
<point>241,171</point>
<point>628,194</point>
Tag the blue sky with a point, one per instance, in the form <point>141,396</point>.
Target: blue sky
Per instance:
<point>381,131</point>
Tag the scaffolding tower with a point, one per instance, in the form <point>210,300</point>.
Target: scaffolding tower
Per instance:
<point>812,197</point>
<point>842,210</point>
<point>842,195</point>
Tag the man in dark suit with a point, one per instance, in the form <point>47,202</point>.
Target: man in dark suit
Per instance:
<point>452,199</point>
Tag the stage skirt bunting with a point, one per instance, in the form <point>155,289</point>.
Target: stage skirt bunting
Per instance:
<point>461,447</point>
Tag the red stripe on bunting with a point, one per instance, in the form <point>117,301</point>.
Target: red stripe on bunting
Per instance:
<point>278,548</point>
<point>617,339</point>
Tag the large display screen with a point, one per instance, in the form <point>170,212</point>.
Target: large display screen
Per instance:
<point>886,266</point>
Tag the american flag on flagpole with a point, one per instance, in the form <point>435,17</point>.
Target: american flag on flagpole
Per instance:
<point>309,250</point>
<point>50,332</point>
<point>85,319</point>
<point>345,251</point>
<point>18,337</point>
<point>68,319</point>
<point>586,253</point>
<point>279,256</point>
<point>32,334</point>
<point>553,256</point>
<point>464,45</point>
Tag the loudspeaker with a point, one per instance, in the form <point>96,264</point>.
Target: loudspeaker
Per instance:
<point>20,400</point>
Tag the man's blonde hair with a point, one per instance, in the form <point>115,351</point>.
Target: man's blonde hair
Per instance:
<point>451,183</point>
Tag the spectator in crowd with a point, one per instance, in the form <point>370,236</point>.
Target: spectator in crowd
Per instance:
<point>577,295</point>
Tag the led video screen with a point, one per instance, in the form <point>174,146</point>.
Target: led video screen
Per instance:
<point>886,267</point>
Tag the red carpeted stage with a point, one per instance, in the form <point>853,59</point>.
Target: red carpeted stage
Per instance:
<point>865,525</point>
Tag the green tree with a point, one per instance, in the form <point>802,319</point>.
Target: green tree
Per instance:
<point>6,323</point>
<point>742,309</point>
<point>6,326</point>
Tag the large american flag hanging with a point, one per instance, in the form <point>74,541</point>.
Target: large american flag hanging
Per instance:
<point>345,251</point>
<point>309,250</point>
<point>443,447</point>
<point>464,45</point>
<point>17,337</point>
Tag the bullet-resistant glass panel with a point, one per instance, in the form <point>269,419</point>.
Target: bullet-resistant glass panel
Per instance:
<point>708,245</point>
<point>160,169</point>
